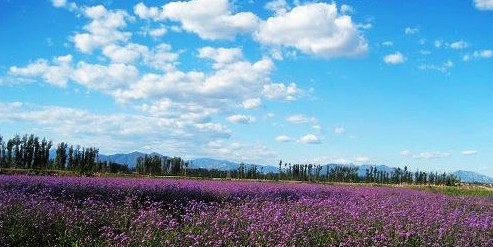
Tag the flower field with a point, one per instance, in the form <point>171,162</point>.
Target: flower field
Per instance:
<point>78,211</point>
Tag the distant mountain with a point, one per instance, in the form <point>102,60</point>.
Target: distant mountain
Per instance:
<point>471,177</point>
<point>207,163</point>
<point>129,159</point>
<point>224,165</point>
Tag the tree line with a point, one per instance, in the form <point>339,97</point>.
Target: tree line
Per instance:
<point>349,174</point>
<point>32,152</point>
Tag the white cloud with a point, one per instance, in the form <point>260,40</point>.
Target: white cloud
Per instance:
<point>316,29</point>
<point>444,67</point>
<point>124,54</point>
<point>210,19</point>
<point>411,30</point>
<point>56,74</point>
<point>157,32</point>
<point>251,103</point>
<point>105,78</point>
<point>221,56</point>
<point>387,43</point>
<point>309,139</point>
<point>469,152</point>
<point>188,97</point>
<point>358,159</point>
<point>425,52</point>
<point>103,30</point>
<point>300,119</point>
<point>114,131</point>
<point>361,159</point>
<point>405,153</point>
<point>477,55</point>
<point>242,119</point>
<point>279,7</point>
<point>459,45</point>
<point>161,57</point>
<point>284,138</point>
<point>431,155</point>
<point>59,3</point>
<point>64,4</point>
<point>339,130</point>
<point>280,91</point>
<point>438,43</point>
<point>346,9</point>
<point>240,152</point>
<point>395,58</point>
<point>144,12</point>
<point>484,4</point>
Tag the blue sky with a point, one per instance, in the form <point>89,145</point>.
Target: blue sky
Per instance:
<point>379,82</point>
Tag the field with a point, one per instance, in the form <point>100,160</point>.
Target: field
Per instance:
<point>79,211</point>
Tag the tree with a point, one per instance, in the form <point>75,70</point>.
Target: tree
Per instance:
<point>61,156</point>
<point>70,161</point>
<point>2,152</point>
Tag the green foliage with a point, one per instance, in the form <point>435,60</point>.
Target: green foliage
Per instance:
<point>462,190</point>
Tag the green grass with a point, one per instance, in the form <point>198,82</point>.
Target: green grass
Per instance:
<point>474,190</point>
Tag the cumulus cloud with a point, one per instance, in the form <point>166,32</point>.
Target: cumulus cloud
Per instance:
<point>104,29</point>
<point>469,152</point>
<point>339,130</point>
<point>114,131</point>
<point>221,56</point>
<point>358,159</point>
<point>144,12</point>
<point>361,159</point>
<point>240,152</point>
<point>300,119</point>
<point>208,19</point>
<point>484,4</point>
<point>124,54</point>
<point>56,73</point>
<point>387,43</point>
<point>309,139</point>
<point>279,7</point>
<point>438,43</point>
<point>444,67</point>
<point>64,4</point>
<point>316,29</point>
<point>431,155</point>
<point>147,78</point>
<point>411,30</point>
<point>346,9</point>
<point>395,58</point>
<point>105,78</point>
<point>457,45</point>
<point>405,153</point>
<point>188,96</point>
<point>157,32</point>
<point>281,91</point>
<point>241,119</point>
<point>477,55</point>
<point>251,103</point>
<point>284,138</point>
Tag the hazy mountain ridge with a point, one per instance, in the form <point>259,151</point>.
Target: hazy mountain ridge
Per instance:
<point>471,177</point>
<point>130,159</point>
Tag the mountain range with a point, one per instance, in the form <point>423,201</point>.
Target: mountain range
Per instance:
<point>130,159</point>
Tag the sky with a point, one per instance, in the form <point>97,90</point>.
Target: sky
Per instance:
<point>401,83</point>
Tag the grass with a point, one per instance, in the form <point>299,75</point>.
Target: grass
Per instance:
<point>464,190</point>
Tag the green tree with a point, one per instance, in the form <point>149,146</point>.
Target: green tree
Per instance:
<point>61,156</point>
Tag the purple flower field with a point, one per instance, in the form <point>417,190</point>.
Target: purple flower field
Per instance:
<point>78,211</point>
